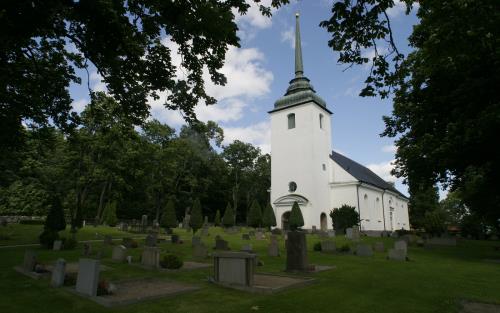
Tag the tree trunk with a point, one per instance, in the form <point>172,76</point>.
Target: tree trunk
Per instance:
<point>101,202</point>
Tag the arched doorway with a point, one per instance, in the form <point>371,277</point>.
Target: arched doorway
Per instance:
<point>285,218</point>
<point>323,221</point>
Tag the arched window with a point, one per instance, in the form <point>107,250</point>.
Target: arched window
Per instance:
<point>321,121</point>
<point>291,120</point>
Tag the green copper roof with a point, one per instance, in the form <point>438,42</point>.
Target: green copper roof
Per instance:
<point>300,90</point>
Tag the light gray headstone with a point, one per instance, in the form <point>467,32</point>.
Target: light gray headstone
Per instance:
<point>364,250</point>
<point>331,233</point>
<point>328,246</point>
<point>129,259</point>
<point>57,245</point>
<point>401,245</point>
<point>88,277</point>
<point>379,246</point>
<point>236,268</point>
<point>58,273</point>
<point>29,260</point>
<point>150,257</point>
<point>273,249</point>
<point>119,253</point>
<point>397,255</point>
<point>348,233</point>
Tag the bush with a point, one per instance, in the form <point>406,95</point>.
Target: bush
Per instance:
<point>473,226</point>
<point>344,217</point>
<point>47,238</point>
<point>55,219</point>
<point>169,218</point>
<point>268,217</point>
<point>32,222</point>
<point>296,218</point>
<point>109,215</point>
<point>171,261</point>
<point>344,248</point>
<point>435,222</point>
<point>69,243</point>
<point>196,220</point>
<point>255,215</point>
<point>317,246</point>
<point>217,221</point>
<point>228,219</point>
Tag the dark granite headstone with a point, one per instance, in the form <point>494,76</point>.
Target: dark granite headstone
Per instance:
<point>221,244</point>
<point>30,260</point>
<point>296,251</point>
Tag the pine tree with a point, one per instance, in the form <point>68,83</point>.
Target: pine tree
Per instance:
<point>168,218</point>
<point>268,217</point>
<point>55,219</point>
<point>255,215</point>
<point>109,214</point>
<point>228,219</point>
<point>296,219</point>
<point>196,221</point>
<point>217,218</point>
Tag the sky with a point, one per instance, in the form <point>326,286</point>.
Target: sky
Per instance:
<point>258,74</point>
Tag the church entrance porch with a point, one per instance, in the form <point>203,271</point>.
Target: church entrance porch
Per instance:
<point>323,222</point>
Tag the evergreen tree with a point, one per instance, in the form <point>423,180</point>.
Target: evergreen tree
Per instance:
<point>228,219</point>
<point>296,219</point>
<point>168,218</point>
<point>55,219</point>
<point>196,220</point>
<point>255,215</point>
<point>109,216</point>
<point>268,218</point>
<point>344,217</point>
<point>217,218</point>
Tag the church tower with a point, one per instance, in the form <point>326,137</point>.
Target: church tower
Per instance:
<point>300,150</point>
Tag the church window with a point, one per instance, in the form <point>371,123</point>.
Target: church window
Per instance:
<point>291,120</point>
<point>321,121</point>
<point>292,186</point>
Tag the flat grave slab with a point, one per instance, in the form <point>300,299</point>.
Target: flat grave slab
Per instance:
<point>32,274</point>
<point>137,290</point>
<point>270,283</point>
<point>72,268</point>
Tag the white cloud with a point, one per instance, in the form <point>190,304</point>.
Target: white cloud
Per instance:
<point>257,134</point>
<point>389,148</point>
<point>383,170</point>
<point>288,36</point>
<point>96,82</point>
<point>398,9</point>
<point>79,105</point>
<point>254,17</point>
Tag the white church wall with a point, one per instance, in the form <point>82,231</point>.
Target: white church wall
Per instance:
<point>298,155</point>
<point>339,175</point>
<point>343,194</point>
<point>398,206</point>
<point>371,212</point>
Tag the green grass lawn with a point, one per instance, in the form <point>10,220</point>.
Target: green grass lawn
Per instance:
<point>435,280</point>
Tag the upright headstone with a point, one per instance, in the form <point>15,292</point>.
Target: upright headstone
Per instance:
<point>234,268</point>
<point>379,246</point>
<point>129,259</point>
<point>331,233</point>
<point>348,233</point>
<point>314,229</point>
<point>151,240</point>
<point>245,237</point>
<point>221,244</point>
<point>30,260</point>
<point>88,277</point>
<point>328,246</point>
<point>57,245</point>
<point>296,251</point>
<point>58,273</point>
<point>397,255</point>
<point>119,253</point>
<point>364,250</point>
<point>401,245</point>
<point>144,223</point>
<point>273,249</point>
<point>150,257</point>
<point>205,221</point>
<point>108,240</point>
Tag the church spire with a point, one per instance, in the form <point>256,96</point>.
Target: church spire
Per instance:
<point>299,67</point>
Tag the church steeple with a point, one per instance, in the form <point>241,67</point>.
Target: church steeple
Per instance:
<point>299,67</point>
<point>300,90</point>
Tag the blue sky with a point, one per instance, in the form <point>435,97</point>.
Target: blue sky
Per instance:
<point>258,73</point>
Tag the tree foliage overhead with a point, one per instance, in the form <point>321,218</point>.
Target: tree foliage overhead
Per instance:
<point>446,106</point>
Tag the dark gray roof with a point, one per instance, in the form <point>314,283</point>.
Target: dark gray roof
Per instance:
<point>362,173</point>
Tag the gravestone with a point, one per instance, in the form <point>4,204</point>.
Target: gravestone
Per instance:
<point>322,234</point>
<point>87,249</point>
<point>185,222</point>
<point>30,260</point>
<point>397,255</point>
<point>205,222</point>
<point>379,246</point>
<point>348,233</point>
<point>108,240</point>
<point>151,240</point>
<point>200,251</point>
<point>221,244</point>
<point>174,238</point>
<point>331,233</point>
<point>355,234</point>
<point>150,257</point>
<point>401,245</point>
<point>57,245</point>
<point>119,253</point>
<point>314,229</point>
<point>129,259</point>
<point>247,248</point>
<point>328,246</point>
<point>364,250</point>
<point>259,235</point>
<point>245,237</point>
<point>88,277</point>
<point>296,251</point>
<point>234,268</point>
<point>251,233</point>
<point>195,240</point>
<point>144,223</point>
<point>58,273</point>
<point>273,249</point>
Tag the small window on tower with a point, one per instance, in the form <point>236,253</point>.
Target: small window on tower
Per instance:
<point>321,121</point>
<point>291,120</point>
<point>324,167</point>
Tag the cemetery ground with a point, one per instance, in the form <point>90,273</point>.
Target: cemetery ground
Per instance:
<point>435,279</point>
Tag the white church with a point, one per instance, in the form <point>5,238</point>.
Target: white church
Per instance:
<point>304,168</point>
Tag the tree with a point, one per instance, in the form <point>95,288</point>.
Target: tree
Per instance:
<point>296,219</point>
<point>446,106</point>
<point>109,215</point>
<point>255,215</point>
<point>196,221</point>
<point>228,219</point>
<point>268,218</point>
<point>435,222</point>
<point>344,217</point>
<point>217,221</point>
<point>454,208</point>
<point>169,218</point>
<point>424,198</point>
<point>55,219</point>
